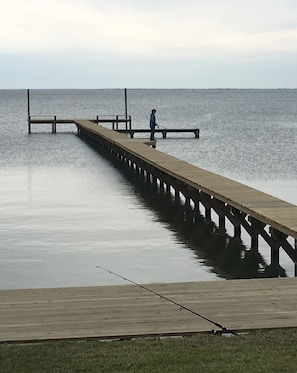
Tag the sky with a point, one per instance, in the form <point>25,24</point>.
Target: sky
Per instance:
<point>148,44</point>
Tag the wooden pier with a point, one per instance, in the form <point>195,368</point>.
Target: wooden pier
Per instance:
<point>115,122</point>
<point>258,213</point>
<point>127,311</point>
<point>120,123</point>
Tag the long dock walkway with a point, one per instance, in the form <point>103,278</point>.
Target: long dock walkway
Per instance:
<point>128,311</point>
<point>265,208</point>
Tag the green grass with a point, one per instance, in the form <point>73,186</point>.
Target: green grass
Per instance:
<point>255,352</point>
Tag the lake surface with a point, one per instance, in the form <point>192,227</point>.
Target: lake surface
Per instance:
<point>65,208</point>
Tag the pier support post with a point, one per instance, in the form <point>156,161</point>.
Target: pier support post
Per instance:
<point>236,221</point>
<point>258,229</point>
<point>196,133</point>
<point>220,208</point>
<point>196,211</point>
<point>295,262</point>
<point>275,255</point>
<point>274,247</point>
<point>54,125</point>
<point>168,189</point>
<point>205,199</point>
<point>255,241</point>
<point>237,230</point>
<point>176,195</point>
<point>207,213</point>
<point>222,222</point>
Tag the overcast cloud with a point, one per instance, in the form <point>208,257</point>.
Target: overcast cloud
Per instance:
<point>148,44</point>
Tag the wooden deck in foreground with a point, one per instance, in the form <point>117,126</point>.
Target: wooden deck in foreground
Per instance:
<point>129,311</point>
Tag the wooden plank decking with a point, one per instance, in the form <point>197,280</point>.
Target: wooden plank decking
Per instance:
<point>128,311</point>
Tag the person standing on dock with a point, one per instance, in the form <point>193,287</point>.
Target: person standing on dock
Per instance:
<point>153,124</point>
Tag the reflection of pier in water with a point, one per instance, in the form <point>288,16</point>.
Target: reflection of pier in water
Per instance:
<point>227,256</point>
<point>259,214</point>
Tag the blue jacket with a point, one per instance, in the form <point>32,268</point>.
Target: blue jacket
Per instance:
<point>153,120</point>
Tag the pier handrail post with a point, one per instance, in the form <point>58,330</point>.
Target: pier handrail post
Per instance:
<point>54,126</point>
<point>97,119</point>
<point>130,122</point>
<point>117,122</point>
<point>29,125</point>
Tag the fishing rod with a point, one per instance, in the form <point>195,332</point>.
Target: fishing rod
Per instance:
<point>224,329</point>
<point>158,125</point>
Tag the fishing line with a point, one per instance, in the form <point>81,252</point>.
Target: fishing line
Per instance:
<point>224,329</point>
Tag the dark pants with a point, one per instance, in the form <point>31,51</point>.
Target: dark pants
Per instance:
<point>152,133</point>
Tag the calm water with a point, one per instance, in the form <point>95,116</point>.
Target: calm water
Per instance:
<point>65,208</point>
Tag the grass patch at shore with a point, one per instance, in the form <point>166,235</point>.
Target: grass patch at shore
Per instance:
<point>256,352</point>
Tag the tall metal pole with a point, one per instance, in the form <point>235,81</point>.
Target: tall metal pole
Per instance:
<point>126,110</point>
<point>126,107</point>
<point>29,116</point>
